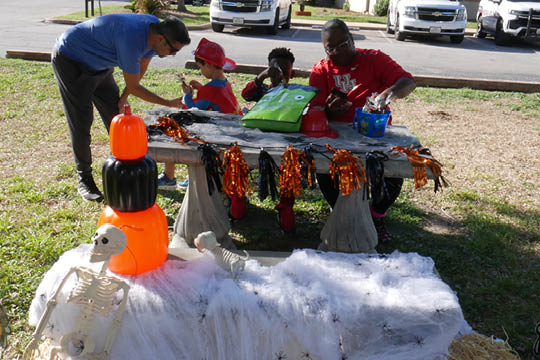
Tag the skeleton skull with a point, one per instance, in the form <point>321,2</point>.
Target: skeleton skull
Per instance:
<point>108,241</point>
<point>206,240</point>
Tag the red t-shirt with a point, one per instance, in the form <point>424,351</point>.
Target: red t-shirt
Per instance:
<point>372,70</point>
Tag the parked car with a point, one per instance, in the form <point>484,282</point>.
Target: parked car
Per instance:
<point>252,13</point>
<point>505,19</point>
<point>427,17</point>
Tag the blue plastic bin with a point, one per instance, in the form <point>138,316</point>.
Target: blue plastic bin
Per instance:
<point>371,125</point>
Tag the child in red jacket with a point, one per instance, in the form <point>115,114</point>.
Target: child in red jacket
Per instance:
<point>216,95</point>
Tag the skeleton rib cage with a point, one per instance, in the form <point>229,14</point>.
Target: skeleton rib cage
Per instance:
<point>94,290</point>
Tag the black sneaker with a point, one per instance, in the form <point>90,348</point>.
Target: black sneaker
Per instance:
<point>383,235</point>
<point>88,190</point>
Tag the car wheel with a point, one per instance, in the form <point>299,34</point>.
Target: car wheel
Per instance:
<point>480,33</point>
<point>217,27</point>
<point>287,24</point>
<point>388,28</point>
<point>501,38</point>
<point>272,30</point>
<point>399,35</point>
<point>456,39</point>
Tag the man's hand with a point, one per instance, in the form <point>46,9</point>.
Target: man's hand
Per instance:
<point>177,103</point>
<point>336,106</point>
<point>122,103</point>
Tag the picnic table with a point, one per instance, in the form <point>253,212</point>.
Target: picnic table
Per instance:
<point>349,227</point>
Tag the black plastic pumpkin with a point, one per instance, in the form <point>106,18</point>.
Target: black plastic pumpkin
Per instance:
<point>130,185</point>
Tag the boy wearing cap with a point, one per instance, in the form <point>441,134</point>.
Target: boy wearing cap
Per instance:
<point>216,95</point>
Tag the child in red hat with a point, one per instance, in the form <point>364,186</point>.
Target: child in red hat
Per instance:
<point>216,95</point>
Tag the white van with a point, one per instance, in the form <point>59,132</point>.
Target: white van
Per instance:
<point>505,19</point>
<point>427,17</point>
<point>251,13</point>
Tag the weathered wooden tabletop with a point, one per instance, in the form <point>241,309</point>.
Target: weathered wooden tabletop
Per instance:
<point>224,130</point>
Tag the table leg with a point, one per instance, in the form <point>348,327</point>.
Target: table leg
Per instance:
<point>201,212</point>
<point>349,227</point>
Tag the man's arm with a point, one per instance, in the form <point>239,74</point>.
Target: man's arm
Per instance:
<point>401,88</point>
<point>134,87</point>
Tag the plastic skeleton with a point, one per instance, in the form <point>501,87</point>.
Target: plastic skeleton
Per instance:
<point>228,260</point>
<point>94,292</point>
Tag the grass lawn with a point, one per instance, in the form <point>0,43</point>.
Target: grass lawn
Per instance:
<point>483,232</point>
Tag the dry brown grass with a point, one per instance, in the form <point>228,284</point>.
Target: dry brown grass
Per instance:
<point>485,147</point>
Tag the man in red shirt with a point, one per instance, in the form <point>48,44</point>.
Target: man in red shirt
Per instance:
<point>346,77</point>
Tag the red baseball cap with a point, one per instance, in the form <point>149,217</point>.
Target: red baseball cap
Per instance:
<point>213,53</point>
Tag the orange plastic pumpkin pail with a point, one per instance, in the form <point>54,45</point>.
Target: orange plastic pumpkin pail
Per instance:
<point>147,239</point>
<point>127,136</point>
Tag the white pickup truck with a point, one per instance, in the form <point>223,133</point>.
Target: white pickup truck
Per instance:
<point>505,19</point>
<point>427,17</point>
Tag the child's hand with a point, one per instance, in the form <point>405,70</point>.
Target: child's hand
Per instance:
<point>275,74</point>
<point>186,88</point>
<point>195,84</point>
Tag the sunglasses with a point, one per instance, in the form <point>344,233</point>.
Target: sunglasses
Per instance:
<point>341,46</point>
<point>173,49</point>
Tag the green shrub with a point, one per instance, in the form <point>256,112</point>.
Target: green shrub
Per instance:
<point>381,7</point>
<point>152,6</point>
<point>346,6</point>
<point>132,6</point>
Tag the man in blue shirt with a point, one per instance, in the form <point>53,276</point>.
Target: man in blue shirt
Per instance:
<point>83,60</point>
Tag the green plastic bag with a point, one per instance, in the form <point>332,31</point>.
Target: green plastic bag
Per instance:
<point>280,109</point>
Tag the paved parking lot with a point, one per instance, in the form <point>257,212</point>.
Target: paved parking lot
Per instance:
<point>22,29</point>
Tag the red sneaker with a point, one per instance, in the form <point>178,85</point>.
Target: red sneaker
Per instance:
<point>286,217</point>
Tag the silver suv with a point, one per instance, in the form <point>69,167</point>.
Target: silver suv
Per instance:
<point>252,13</point>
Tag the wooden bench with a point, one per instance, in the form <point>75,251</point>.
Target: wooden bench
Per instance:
<point>349,227</point>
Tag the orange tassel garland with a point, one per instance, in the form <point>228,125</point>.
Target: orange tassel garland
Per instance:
<point>419,163</point>
<point>236,172</point>
<point>290,177</point>
<point>346,169</point>
<point>174,130</point>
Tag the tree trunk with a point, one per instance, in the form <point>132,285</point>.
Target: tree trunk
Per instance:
<point>181,6</point>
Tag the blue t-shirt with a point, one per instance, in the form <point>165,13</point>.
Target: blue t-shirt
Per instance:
<point>108,41</point>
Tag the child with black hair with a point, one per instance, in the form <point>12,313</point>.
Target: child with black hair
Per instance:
<point>279,70</point>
